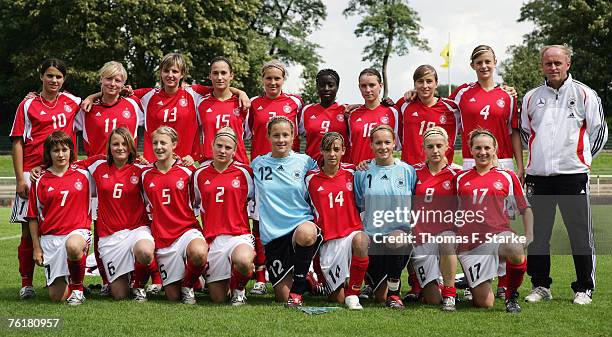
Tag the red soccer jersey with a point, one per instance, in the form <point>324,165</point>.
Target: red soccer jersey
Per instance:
<point>169,198</point>
<point>177,111</point>
<point>494,110</point>
<point>116,188</point>
<point>434,193</point>
<point>61,204</point>
<point>214,114</point>
<point>264,108</point>
<point>417,117</point>
<point>102,119</point>
<point>361,122</point>
<point>36,119</point>
<point>222,198</point>
<point>333,201</point>
<point>488,194</point>
<point>316,120</point>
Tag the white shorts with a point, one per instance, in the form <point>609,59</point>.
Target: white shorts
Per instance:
<point>93,205</point>
<point>220,255</point>
<point>171,260</point>
<point>480,264</point>
<point>20,205</point>
<point>426,260</point>
<point>55,255</point>
<point>117,250</point>
<point>335,256</point>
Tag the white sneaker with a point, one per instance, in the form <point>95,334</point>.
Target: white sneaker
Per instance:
<point>259,288</point>
<point>154,288</point>
<point>238,298</point>
<point>352,302</point>
<point>105,290</point>
<point>539,294</point>
<point>27,292</point>
<point>582,298</point>
<point>187,296</point>
<point>467,294</point>
<point>140,295</point>
<point>76,298</point>
<point>448,304</point>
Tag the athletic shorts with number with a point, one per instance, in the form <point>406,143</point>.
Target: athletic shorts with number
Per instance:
<point>55,255</point>
<point>426,260</point>
<point>252,210</point>
<point>480,264</point>
<point>220,255</point>
<point>280,254</point>
<point>377,270</point>
<point>335,257</point>
<point>171,260</point>
<point>117,250</point>
<point>20,205</point>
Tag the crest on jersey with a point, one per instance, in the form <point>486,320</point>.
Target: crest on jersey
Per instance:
<point>183,102</point>
<point>572,102</point>
<point>78,185</point>
<point>236,183</point>
<point>541,102</point>
<point>443,119</point>
<point>528,190</point>
<point>340,117</point>
<point>180,184</point>
<point>67,108</point>
<point>287,108</point>
<point>501,103</point>
<point>400,182</point>
<point>498,185</point>
<point>446,185</point>
<point>349,186</point>
<point>236,111</point>
<point>134,180</point>
<point>126,113</point>
<point>384,120</point>
<point>297,175</point>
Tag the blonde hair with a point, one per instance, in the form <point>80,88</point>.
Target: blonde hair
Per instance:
<point>227,132</point>
<point>435,130</point>
<point>274,64</point>
<point>481,50</point>
<point>112,69</point>
<point>328,140</point>
<point>168,131</point>
<point>174,59</point>
<point>381,127</point>
<point>567,50</point>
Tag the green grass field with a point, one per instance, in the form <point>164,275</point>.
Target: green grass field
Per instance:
<point>262,317</point>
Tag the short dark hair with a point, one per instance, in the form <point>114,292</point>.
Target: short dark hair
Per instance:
<point>57,138</point>
<point>371,72</point>
<point>52,62</point>
<point>222,59</point>
<point>328,72</point>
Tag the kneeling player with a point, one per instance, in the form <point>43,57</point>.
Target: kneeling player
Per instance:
<point>222,189</point>
<point>60,220</point>
<point>181,250</point>
<point>344,254</point>
<point>484,190</point>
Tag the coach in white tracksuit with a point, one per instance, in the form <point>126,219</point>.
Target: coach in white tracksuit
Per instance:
<point>562,122</point>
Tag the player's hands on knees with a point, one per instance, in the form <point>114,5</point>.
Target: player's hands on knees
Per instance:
<point>363,166</point>
<point>510,90</point>
<point>22,188</point>
<point>38,256</point>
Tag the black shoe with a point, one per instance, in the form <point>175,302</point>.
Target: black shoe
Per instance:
<point>512,305</point>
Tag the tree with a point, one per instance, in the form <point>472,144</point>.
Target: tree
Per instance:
<point>392,27</point>
<point>522,71</point>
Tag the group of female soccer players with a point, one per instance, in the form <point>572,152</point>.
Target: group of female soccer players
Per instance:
<point>309,206</point>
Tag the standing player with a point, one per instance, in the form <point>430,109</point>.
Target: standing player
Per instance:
<point>35,119</point>
<point>435,193</point>
<point>222,189</point>
<point>484,190</point>
<point>180,248</point>
<point>365,118</point>
<point>327,116</point>
<point>344,254</point>
<point>60,220</point>
<point>387,185</point>
<point>275,102</point>
<point>221,108</point>
<point>484,104</point>
<point>425,111</point>
<point>290,237</point>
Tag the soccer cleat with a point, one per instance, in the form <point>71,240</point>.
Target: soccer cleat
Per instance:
<point>76,298</point>
<point>539,294</point>
<point>315,288</point>
<point>105,290</point>
<point>501,293</point>
<point>295,300</point>
<point>238,298</point>
<point>512,305</point>
<point>467,294</point>
<point>582,298</point>
<point>366,292</point>
<point>352,302</point>
<point>394,302</point>
<point>448,304</point>
<point>259,288</point>
<point>187,296</point>
<point>27,292</point>
<point>412,296</point>
<point>140,295</point>
<point>154,289</point>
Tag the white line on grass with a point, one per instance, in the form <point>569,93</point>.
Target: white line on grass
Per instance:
<point>10,237</point>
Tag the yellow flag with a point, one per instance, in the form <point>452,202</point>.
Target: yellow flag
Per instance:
<point>445,53</point>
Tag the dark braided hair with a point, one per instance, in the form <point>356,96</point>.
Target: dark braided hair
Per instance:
<point>328,72</point>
